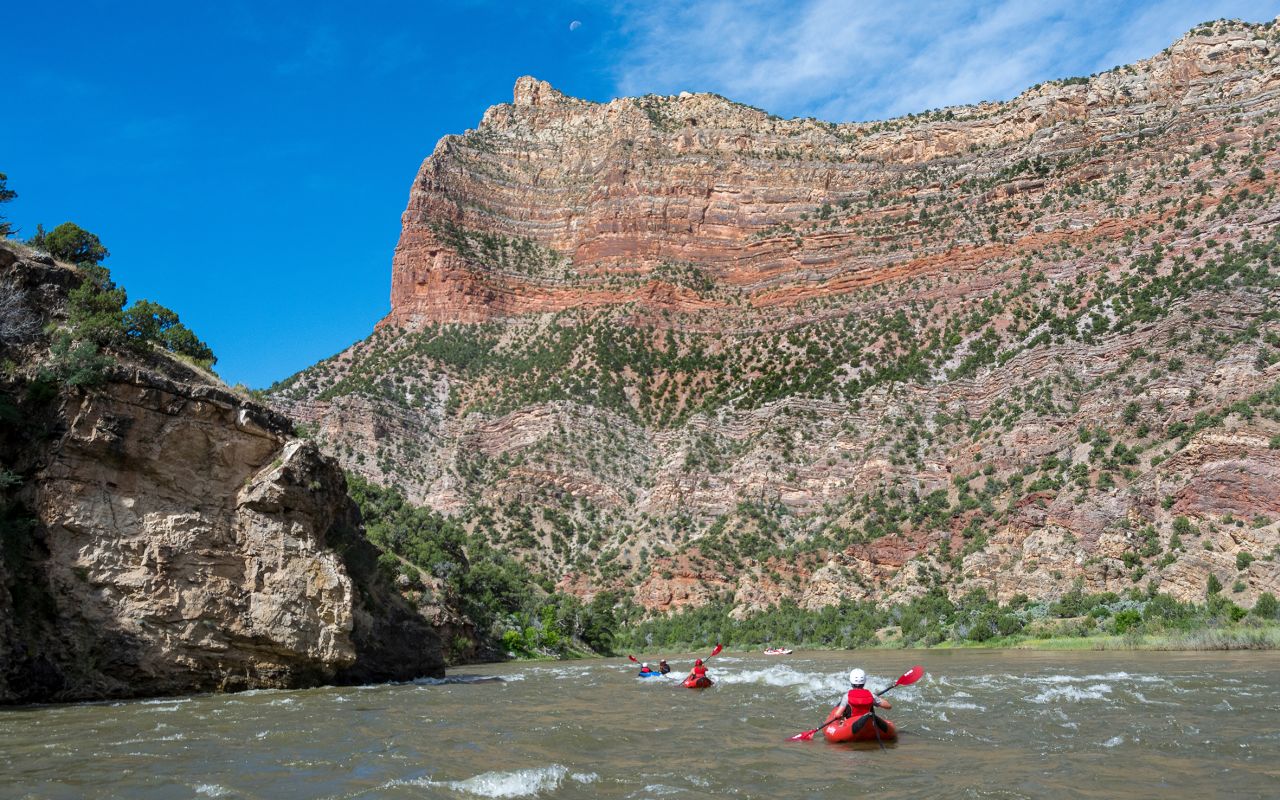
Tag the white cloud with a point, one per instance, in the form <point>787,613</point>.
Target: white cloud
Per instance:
<point>844,59</point>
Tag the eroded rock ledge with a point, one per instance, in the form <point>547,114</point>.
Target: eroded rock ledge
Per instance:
<point>166,536</point>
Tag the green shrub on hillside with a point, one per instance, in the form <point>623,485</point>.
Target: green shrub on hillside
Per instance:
<point>148,322</point>
<point>71,243</point>
<point>511,606</point>
<point>98,321</point>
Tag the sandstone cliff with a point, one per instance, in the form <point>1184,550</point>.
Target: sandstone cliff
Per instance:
<point>679,347</point>
<point>163,535</point>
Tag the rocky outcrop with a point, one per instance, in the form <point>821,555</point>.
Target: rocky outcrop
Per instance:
<point>682,349</point>
<point>610,190</point>
<point>164,535</point>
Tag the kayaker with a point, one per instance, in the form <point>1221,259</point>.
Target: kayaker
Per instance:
<point>857,701</point>
<point>698,670</point>
<point>644,669</point>
<point>664,667</point>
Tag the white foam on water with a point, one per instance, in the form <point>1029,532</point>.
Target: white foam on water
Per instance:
<point>770,676</point>
<point>517,783</point>
<point>571,673</point>
<point>1069,692</point>
<point>212,790</point>
<point>1142,698</point>
<point>163,701</point>
<point>1113,741</point>
<point>584,777</point>
<point>662,790</point>
<point>1049,682</point>
<point>964,706</point>
<point>175,737</point>
<point>813,686</point>
<point>1124,677</point>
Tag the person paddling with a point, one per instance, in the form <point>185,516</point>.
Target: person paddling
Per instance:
<point>644,669</point>
<point>857,701</point>
<point>697,674</point>
<point>857,707</point>
<point>664,667</point>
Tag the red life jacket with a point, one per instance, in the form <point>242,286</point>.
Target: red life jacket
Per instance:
<point>860,702</point>
<point>700,671</point>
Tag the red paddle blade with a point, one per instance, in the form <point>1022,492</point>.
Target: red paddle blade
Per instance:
<point>719,647</point>
<point>633,658</point>
<point>807,736</point>
<point>911,676</point>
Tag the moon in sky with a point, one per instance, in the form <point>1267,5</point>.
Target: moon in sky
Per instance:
<point>573,26</point>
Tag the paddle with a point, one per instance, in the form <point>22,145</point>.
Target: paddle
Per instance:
<point>909,677</point>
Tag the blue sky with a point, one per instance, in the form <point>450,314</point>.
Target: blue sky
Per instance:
<point>247,162</point>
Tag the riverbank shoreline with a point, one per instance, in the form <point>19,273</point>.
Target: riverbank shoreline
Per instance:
<point>1234,638</point>
<point>1206,640</point>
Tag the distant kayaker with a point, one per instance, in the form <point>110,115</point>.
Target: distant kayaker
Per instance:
<point>644,669</point>
<point>857,701</point>
<point>664,667</point>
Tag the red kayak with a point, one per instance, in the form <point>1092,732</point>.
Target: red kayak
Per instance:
<point>844,730</point>
<point>698,682</point>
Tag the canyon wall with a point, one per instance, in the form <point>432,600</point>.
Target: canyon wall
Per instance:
<point>679,348</point>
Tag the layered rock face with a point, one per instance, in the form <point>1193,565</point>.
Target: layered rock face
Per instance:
<point>163,535</point>
<point>680,348</point>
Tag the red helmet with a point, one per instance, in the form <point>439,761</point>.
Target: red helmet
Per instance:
<point>697,662</point>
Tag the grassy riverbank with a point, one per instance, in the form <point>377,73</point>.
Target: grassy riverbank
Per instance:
<point>1250,634</point>
<point>1246,637</point>
<point>1076,621</point>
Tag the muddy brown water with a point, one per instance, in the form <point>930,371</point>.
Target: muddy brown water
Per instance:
<point>981,724</point>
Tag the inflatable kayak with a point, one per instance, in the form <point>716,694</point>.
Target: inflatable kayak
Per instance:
<point>844,730</point>
<point>700,682</point>
<point>778,651</point>
<point>648,674</point>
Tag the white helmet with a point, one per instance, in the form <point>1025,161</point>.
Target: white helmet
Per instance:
<point>857,677</point>
<point>645,665</point>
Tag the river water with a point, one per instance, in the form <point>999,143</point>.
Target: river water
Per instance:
<point>981,724</point>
